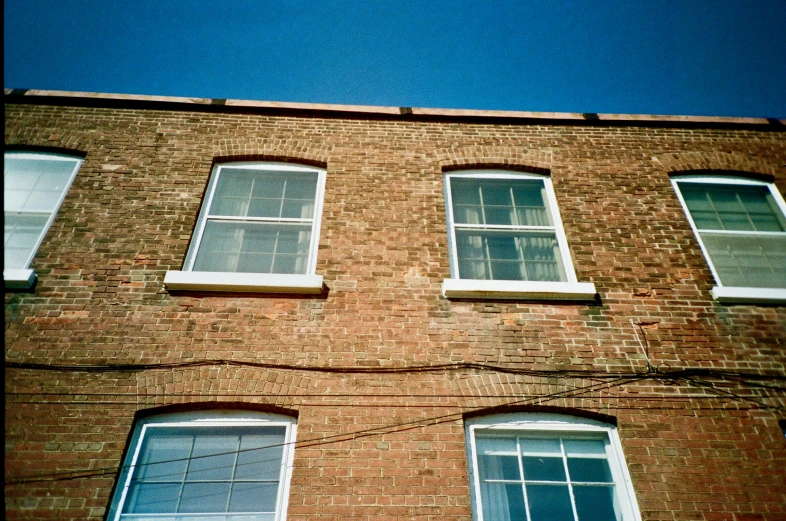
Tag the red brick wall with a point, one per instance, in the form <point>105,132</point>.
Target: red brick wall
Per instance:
<point>392,444</point>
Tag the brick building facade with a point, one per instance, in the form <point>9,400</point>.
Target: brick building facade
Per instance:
<point>396,380</point>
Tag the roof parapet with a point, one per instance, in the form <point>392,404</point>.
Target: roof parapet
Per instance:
<point>184,103</point>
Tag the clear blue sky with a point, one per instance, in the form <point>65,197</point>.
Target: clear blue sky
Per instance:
<point>692,57</point>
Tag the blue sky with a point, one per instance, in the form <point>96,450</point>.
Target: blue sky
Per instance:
<point>691,57</point>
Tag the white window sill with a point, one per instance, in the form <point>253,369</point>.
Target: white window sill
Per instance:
<point>518,290</point>
<point>19,279</point>
<point>738,295</point>
<point>243,282</point>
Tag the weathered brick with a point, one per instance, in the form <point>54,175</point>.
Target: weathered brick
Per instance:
<point>387,446</point>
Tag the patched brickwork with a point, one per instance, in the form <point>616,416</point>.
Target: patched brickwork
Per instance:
<point>379,437</point>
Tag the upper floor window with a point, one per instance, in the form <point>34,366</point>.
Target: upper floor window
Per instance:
<point>35,185</point>
<point>257,218</point>
<point>741,227</point>
<point>547,467</point>
<point>505,226</point>
<point>223,465</point>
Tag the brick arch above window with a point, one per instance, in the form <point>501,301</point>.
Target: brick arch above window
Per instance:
<point>199,386</point>
<point>47,147</point>
<point>509,158</point>
<point>284,150</point>
<point>755,176</point>
<point>571,411</point>
<point>695,162</point>
<point>197,407</point>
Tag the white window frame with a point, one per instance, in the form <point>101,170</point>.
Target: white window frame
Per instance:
<point>214,418</point>
<point>308,283</point>
<point>24,278</point>
<point>722,293</point>
<point>545,424</point>
<point>456,287</point>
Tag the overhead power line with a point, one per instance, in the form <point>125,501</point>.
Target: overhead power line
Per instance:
<point>424,368</point>
<point>336,438</point>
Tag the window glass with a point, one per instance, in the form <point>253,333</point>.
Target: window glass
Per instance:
<point>547,487</point>
<point>228,472</point>
<point>741,227</point>
<point>532,471</point>
<point>260,218</point>
<point>730,207</point>
<point>254,248</point>
<point>503,227</point>
<point>35,185</point>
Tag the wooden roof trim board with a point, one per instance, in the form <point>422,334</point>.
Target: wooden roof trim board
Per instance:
<point>39,96</point>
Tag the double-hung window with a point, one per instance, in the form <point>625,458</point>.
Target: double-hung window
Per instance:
<point>221,466</point>
<point>258,230</point>
<point>506,238</point>
<point>740,224</point>
<point>547,467</point>
<point>35,185</point>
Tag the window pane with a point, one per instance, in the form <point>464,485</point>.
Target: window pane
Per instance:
<point>499,215</point>
<point>489,443</point>
<point>164,456</point>
<point>21,234</point>
<point>764,212</point>
<point>497,203</point>
<point>260,455</point>
<point>748,261</point>
<point>589,470</point>
<point>516,202</point>
<point>467,214</point>
<point>541,446</point>
<point>509,255</point>
<point>530,205</point>
<point>549,503</point>
<point>732,207</point>
<point>213,458</point>
<point>149,498</point>
<point>543,469</point>
<point>465,191</point>
<point>596,503</point>
<point>264,193</point>
<point>254,497</point>
<point>35,184</point>
<point>499,467</point>
<point>253,247</point>
<point>200,517</point>
<point>204,497</point>
<point>299,196</point>
<point>584,447</point>
<point>233,193</point>
<point>503,502</point>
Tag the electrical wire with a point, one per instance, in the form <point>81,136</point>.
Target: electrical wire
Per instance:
<point>607,380</point>
<point>336,438</point>
<point>424,368</point>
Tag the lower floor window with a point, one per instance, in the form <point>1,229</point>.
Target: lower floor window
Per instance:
<point>226,466</point>
<point>547,467</point>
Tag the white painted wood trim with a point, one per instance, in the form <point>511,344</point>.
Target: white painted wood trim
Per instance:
<point>19,279</point>
<point>518,290</point>
<point>243,282</point>
<point>739,295</point>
